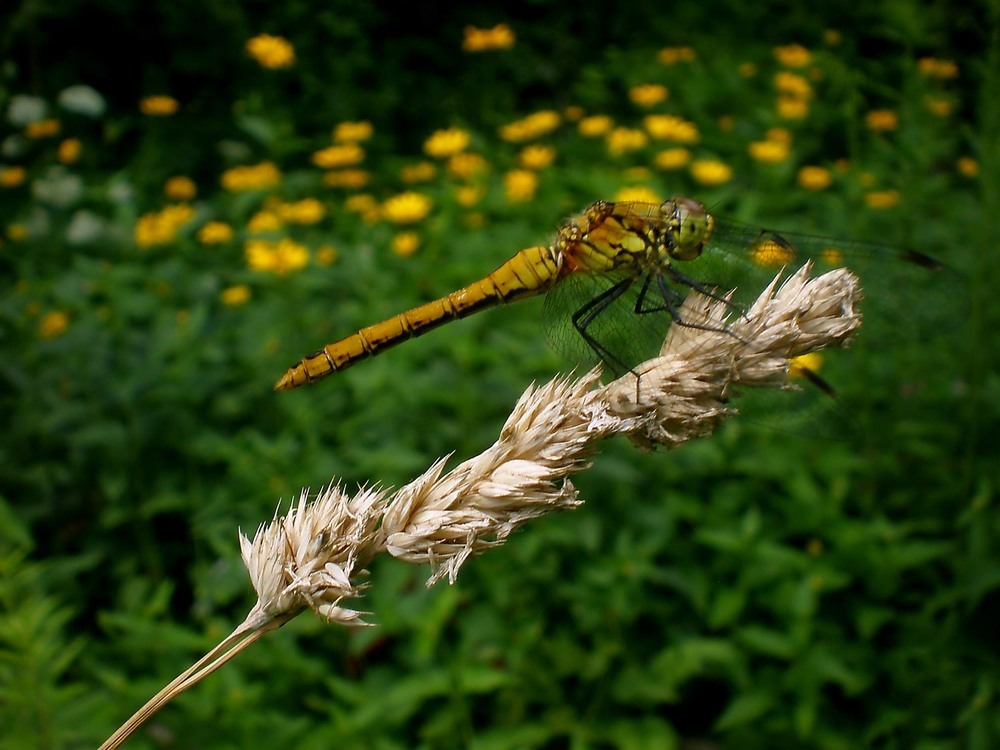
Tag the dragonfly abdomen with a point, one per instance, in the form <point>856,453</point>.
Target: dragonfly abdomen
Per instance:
<point>530,272</point>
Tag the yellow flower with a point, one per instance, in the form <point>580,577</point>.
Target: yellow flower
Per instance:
<point>305,211</point>
<point>364,205</point>
<point>251,177</point>
<point>235,296</point>
<point>466,165</point>
<point>779,135</point>
<point>673,55</point>
<point>215,233</point>
<point>770,152</point>
<point>406,208</point>
<point>831,37</point>
<point>882,198</point>
<point>53,324</point>
<point>814,178</point>
<point>16,232</point>
<point>11,177</point>
<point>711,172</point>
<point>747,70</point>
<point>271,51</point>
<point>672,158</point>
<point>69,150</point>
<point>648,94</point>
<point>346,178</point>
<point>419,172</point>
<point>799,366</point>
<point>882,120</point>
<point>536,156</point>
<point>792,84</point>
<point>481,40</point>
<point>533,126</point>
<point>832,256</point>
<point>967,167</point>
<point>792,108</point>
<point>444,143</point>
<point>572,113</point>
<point>352,132</point>
<point>792,56</point>
<point>726,123</point>
<point>264,221</point>
<point>637,193</point>
<point>158,106</point>
<point>180,189</point>
<point>595,126</point>
<point>326,255</point>
<point>939,106</point>
<point>935,68</point>
<point>771,253</point>
<point>520,185</point>
<point>621,140</point>
<point>671,128</point>
<point>160,228</point>
<point>405,244</point>
<point>334,157</point>
<point>281,257</point>
<point>469,195</point>
<point>42,128</point>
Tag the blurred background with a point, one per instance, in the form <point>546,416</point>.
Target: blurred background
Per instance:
<point>193,195</point>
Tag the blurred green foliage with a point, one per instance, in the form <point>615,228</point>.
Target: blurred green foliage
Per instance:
<point>755,589</point>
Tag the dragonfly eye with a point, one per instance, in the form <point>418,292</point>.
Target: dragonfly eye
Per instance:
<point>689,227</point>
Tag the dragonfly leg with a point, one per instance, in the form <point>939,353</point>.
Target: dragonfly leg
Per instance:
<point>703,289</point>
<point>586,315</point>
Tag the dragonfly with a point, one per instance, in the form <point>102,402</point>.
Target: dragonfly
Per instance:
<point>616,276</point>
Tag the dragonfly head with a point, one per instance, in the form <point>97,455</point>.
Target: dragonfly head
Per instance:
<point>689,227</point>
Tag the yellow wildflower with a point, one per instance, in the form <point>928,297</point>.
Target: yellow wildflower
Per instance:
<point>469,195</point>
<point>352,132</point>
<point>939,106</point>
<point>674,55</point>
<point>158,106</point>
<point>281,257</point>
<point>798,366</point>
<point>11,177</point>
<point>406,208</point>
<point>831,37</point>
<point>814,178</point>
<point>466,165</point>
<point>533,126</point>
<point>792,56</point>
<point>520,185</point>
<point>444,143</point>
<point>792,84</point>
<point>726,123</point>
<point>882,120</point>
<point>536,156</point>
<point>935,68</point>
<point>638,193</point>
<point>771,253</point>
<point>251,177</point>
<point>747,70</point>
<point>482,40</point>
<point>967,167</point>
<point>648,94</point>
<point>768,151</point>
<point>346,178</point>
<point>334,157</point>
<point>271,51</point>
<point>235,296</point>
<point>405,244</point>
<point>215,233</point>
<point>42,128</point>
<point>832,256</point>
<point>792,108</point>
<point>779,135</point>
<point>672,158</point>
<point>16,232</point>
<point>621,140</point>
<point>882,198</point>
<point>326,255</point>
<point>711,172</point>
<point>572,113</point>
<point>180,189</point>
<point>53,324</point>
<point>305,211</point>
<point>69,150</point>
<point>419,172</point>
<point>595,126</point>
<point>364,205</point>
<point>671,128</point>
<point>264,221</point>
<point>160,228</point>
